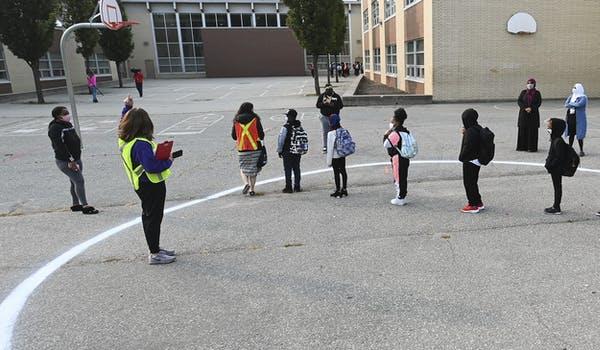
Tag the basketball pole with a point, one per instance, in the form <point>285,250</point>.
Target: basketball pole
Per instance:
<point>63,41</point>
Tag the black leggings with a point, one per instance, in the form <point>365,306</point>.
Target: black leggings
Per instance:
<point>572,139</point>
<point>339,170</point>
<point>470,179</point>
<point>557,183</point>
<point>153,205</point>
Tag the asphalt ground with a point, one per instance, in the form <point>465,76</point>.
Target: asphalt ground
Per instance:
<point>300,271</point>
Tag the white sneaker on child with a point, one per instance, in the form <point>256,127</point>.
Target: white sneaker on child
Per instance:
<point>398,201</point>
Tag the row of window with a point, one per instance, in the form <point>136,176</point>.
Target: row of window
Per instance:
<point>3,70</point>
<point>219,20</point>
<point>415,59</point>
<point>389,10</point>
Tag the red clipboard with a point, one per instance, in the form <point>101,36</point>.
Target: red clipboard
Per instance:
<point>163,150</point>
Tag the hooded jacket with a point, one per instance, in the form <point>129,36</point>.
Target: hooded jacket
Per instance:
<point>65,142</point>
<point>558,152</point>
<point>245,119</point>
<point>285,136</point>
<point>471,141</point>
<point>334,107</point>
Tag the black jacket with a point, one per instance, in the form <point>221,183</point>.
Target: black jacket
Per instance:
<point>288,136</point>
<point>334,107</point>
<point>529,119</point>
<point>471,141</point>
<point>558,152</point>
<point>65,141</point>
<point>245,119</point>
<point>394,150</point>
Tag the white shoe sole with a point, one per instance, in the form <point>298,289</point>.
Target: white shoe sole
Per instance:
<point>399,204</point>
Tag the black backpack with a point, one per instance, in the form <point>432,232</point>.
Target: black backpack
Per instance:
<point>571,163</point>
<point>486,153</point>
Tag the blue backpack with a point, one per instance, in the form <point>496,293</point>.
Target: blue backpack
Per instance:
<point>344,144</point>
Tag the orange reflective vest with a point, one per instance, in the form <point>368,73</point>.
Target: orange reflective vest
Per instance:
<point>247,136</point>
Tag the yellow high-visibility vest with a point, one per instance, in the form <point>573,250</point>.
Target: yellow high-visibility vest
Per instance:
<point>134,174</point>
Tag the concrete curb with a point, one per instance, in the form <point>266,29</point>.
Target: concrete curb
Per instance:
<point>351,99</point>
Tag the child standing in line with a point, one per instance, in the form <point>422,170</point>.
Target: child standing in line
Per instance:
<point>557,158</point>
<point>392,141</point>
<point>128,105</point>
<point>469,156</point>
<point>334,160</point>
<point>291,157</point>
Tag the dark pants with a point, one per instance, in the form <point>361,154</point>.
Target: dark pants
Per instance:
<point>291,162</point>
<point>139,87</point>
<point>76,179</point>
<point>404,163</point>
<point>153,205</point>
<point>557,183</point>
<point>339,171</point>
<point>470,179</point>
<point>527,139</point>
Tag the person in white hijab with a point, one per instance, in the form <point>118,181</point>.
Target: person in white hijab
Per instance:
<point>576,116</point>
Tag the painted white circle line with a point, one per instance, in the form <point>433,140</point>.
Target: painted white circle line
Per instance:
<point>516,109</point>
<point>14,303</point>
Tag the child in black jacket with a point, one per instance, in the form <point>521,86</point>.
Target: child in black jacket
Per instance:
<point>469,156</point>
<point>557,158</point>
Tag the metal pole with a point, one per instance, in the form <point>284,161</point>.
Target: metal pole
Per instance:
<point>63,40</point>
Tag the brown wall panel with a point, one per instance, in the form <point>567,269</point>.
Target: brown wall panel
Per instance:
<point>376,36</point>
<point>5,88</point>
<point>366,41</point>
<point>412,87</point>
<point>414,27</point>
<point>53,83</point>
<point>377,78</point>
<point>392,82</point>
<point>252,52</point>
<point>390,31</point>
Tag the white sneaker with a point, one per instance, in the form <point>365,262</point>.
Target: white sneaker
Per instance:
<point>159,259</point>
<point>398,201</point>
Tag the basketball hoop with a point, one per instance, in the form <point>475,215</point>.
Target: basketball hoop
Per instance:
<point>110,15</point>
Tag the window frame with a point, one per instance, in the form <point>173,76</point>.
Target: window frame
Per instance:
<point>94,61</point>
<point>4,77</point>
<point>366,20</point>
<point>49,58</point>
<point>410,3</point>
<point>375,13</point>
<point>391,60</point>
<point>377,59</point>
<point>415,72</point>
<point>173,61</point>
<point>390,9</point>
<point>367,60</point>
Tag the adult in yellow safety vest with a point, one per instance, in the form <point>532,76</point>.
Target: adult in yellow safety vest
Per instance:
<point>248,133</point>
<point>147,176</point>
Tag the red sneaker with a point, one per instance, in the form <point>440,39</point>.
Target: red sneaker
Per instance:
<point>470,209</point>
<point>481,207</point>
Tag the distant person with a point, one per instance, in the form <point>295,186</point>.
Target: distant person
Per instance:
<point>91,81</point>
<point>248,133</point>
<point>312,69</point>
<point>128,105</point>
<point>332,68</point>
<point>138,77</point>
<point>347,70</point>
<point>339,69</point>
<point>392,141</point>
<point>556,160</point>
<point>356,67</point>
<point>329,103</point>
<point>469,156</point>
<point>67,153</point>
<point>147,175</point>
<point>291,145</point>
<point>529,102</point>
<point>336,159</point>
<point>576,116</point>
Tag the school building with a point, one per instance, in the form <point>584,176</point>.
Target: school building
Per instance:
<point>482,50</point>
<point>192,39</point>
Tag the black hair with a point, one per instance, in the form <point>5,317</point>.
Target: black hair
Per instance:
<point>246,108</point>
<point>400,116</point>
<point>58,111</point>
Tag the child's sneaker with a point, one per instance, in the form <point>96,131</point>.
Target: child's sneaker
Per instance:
<point>167,252</point>
<point>470,209</point>
<point>335,194</point>
<point>398,201</point>
<point>287,190</point>
<point>552,211</point>
<point>598,213</point>
<point>297,189</point>
<point>159,259</point>
<point>343,193</point>
<point>481,207</point>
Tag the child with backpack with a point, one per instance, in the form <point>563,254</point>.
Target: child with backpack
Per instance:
<point>561,161</point>
<point>470,157</point>
<point>339,146</point>
<point>291,145</point>
<point>128,105</point>
<point>401,147</point>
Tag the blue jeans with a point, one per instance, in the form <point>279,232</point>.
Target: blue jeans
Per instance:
<point>94,99</point>
<point>325,126</point>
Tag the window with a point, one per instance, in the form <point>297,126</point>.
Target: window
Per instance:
<point>407,3</point>
<point>283,19</point>
<point>367,59</point>
<point>266,20</point>
<point>191,39</point>
<point>391,66</point>
<point>167,42</point>
<point>377,60</point>
<point>366,20</point>
<point>216,20</point>
<point>51,66</point>
<point>241,20</point>
<point>375,12</point>
<point>99,64</point>
<point>3,71</point>
<point>415,59</point>
<point>390,8</point>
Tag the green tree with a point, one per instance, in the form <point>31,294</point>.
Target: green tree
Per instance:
<point>117,45</point>
<point>313,23</point>
<point>27,28</point>
<point>80,11</point>
<point>338,31</point>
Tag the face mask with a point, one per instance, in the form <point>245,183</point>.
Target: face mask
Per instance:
<point>549,131</point>
<point>529,86</point>
<point>574,90</point>
<point>66,118</point>
<point>391,126</point>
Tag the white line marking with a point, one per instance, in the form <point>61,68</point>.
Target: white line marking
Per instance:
<point>264,93</point>
<point>13,304</point>
<point>516,109</point>
<point>184,132</point>
<point>179,89</point>
<point>164,132</point>
<point>227,94</point>
<point>184,96</point>
<point>174,125</point>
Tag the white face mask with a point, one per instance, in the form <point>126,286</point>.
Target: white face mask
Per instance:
<point>549,131</point>
<point>529,86</point>
<point>574,90</point>
<point>66,118</point>
<point>391,126</point>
